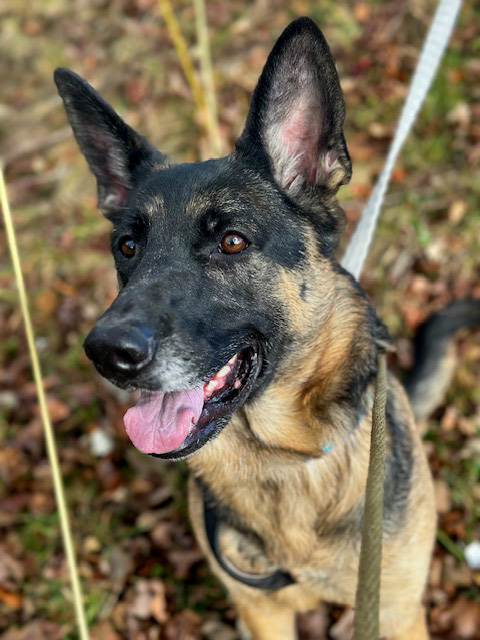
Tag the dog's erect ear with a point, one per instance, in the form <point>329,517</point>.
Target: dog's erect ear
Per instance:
<point>295,123</point>
<point>116,154</point>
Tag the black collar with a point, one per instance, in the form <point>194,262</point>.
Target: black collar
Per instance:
<point>270,581</point>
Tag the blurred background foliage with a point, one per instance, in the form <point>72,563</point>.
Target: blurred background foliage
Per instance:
<point>143,575</point>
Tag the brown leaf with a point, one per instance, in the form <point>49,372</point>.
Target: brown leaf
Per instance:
<point>449,419</point>
<point>46,303</point>
<point>162,534</point>
<point>147,519</point>
<point>158,604</point>
<point>11,570</point>
<point>11,600</point>
<point>140,607</point>
<point>91,545</point>
<point>119,566</point>
<point>435,575</point>
<point>361,11</point>
<point>442,496</point>
<point>462,619</point>
<point>413,316</point>
<point>183,626</point>
<point>159,496</point>
<point>13,464</point>
<point>457,211</point>
<point>103,631</point>
<point>41,502</point>
<point>57,409</point>
<point>36,630</point>
<point>183,561</point>
<point>466,619</point>
<point>455,574</point>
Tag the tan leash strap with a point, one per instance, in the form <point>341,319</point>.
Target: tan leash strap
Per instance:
<point>367,600</point>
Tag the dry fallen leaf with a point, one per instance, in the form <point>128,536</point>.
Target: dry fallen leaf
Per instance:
<point>443,500</point>
<point>11,600</point>
<point>184,560</point>
<point>457,211</point>
<point>158,604</point>
<point>36,630</point>
<point>185,625</point>
<point>103,631</point>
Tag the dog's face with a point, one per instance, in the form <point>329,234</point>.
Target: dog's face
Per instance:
<point>203,250</point>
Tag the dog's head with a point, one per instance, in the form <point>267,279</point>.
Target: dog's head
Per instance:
<point>204,251</point>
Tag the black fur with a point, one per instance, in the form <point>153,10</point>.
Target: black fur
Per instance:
<point>398,466</point>
<point>117,155</point>
<point>430,377</point>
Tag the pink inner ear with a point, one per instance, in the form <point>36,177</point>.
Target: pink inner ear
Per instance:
<point>301,134</point>
<point>113,173</point>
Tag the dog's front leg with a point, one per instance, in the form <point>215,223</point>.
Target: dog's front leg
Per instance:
<point>261,618</point>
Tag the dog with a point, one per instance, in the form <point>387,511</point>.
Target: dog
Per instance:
<point>256,353</point>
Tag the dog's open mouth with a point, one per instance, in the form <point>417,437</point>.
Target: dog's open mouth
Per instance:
<point>177,423</point>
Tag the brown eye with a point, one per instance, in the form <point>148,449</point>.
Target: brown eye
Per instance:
<point>232,243</point>
<point>128,246</point>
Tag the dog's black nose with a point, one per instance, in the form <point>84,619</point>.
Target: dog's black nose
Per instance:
<point>123,350</point>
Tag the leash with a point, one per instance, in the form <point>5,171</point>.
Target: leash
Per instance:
<point>367,600</point>
<point>432,52</point>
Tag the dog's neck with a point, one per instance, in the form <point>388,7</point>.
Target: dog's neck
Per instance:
<point>318,401</point>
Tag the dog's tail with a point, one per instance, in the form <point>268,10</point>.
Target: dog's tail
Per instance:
<point>435,355</point>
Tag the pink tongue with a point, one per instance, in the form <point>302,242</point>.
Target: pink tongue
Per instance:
<point>160,422</point>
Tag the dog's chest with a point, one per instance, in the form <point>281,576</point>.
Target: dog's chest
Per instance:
<point>295,525</point>
<point>325,567</point>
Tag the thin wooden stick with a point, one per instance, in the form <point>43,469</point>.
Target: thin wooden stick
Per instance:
<point>207,76</point>
<point>47,426</point>
<point>181,48</point>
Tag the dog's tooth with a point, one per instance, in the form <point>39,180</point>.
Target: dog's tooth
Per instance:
<point>224,371</point>
<point>233,359</point>
<point>211,386</point>
<point>237,384</point>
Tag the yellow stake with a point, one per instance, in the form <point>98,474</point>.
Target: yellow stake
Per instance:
<point>181,48</point>
<point>204,97</point>
<point>208,78</point>
<point>47,426</point>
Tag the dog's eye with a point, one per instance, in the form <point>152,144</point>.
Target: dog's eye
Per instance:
<point>232,243</point>
<point>127,246</point>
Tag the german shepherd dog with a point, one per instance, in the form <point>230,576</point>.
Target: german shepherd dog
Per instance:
<point>255,352</point>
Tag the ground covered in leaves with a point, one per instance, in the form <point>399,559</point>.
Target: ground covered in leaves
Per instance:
<point>143,575</point>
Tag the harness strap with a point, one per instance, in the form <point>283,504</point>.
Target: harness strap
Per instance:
<point>269,582</point>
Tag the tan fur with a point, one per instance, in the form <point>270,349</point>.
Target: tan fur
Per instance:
<point>267,466</point>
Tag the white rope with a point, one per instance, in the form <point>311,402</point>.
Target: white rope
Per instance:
<point>432,52</point>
